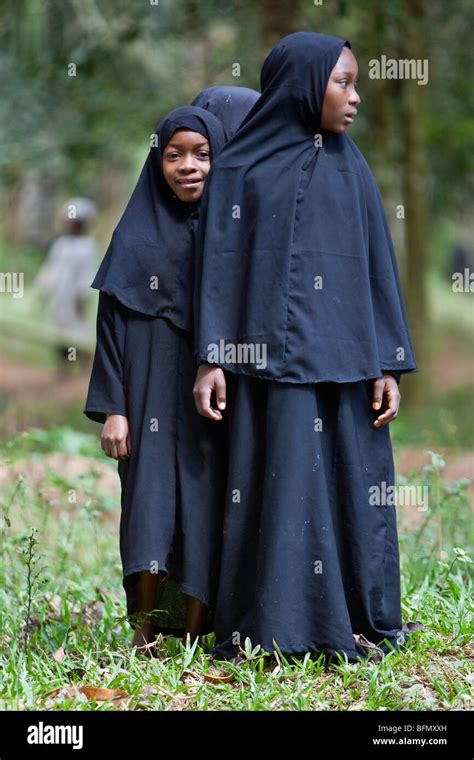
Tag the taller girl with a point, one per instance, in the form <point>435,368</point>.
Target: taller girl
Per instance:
<point>297,266</point>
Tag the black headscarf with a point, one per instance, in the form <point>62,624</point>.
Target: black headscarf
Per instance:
<point>230,104</point>
<point>294,250</point>
<point>153,241</point>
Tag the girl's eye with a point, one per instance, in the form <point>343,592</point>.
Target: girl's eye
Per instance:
<point>203,155</point>
<point>172,155</point>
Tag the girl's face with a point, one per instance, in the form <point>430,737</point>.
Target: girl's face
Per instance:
<point>341,98</point>
<point>186,164</point>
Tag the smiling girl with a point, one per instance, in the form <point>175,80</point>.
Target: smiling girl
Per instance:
<point>171,461</point>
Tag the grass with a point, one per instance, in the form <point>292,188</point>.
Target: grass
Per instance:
<point>446,422</point>
<point>64,637</point>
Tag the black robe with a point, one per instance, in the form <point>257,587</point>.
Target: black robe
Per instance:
<point>173,483</point>
<point>309,563</point>
<point>295,257</point>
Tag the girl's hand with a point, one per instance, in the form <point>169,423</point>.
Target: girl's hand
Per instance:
<point>386,389</point>
<point>115,438</point>
<point>209,378</point>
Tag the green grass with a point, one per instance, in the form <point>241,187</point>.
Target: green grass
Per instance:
<point>445,423</point>
<point>70,584</point>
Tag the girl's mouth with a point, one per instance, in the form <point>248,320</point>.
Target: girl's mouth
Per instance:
<point>188,182</point>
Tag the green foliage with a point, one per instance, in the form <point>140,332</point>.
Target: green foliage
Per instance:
<point>67,440</point>
<point>78,635</point>
<point>132,64</point>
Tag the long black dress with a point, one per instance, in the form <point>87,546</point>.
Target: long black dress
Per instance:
<point>307,561</point>
<point>173,483</point>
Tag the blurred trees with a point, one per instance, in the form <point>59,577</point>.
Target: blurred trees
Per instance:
<point>134,61</point>
<point>88,133</point>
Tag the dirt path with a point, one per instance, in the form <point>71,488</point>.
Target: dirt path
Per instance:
<point>29,392</point>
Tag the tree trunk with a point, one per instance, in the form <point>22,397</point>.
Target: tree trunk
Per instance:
<point>35,212</point>
<point>279,18</point>
<point>413,45</point>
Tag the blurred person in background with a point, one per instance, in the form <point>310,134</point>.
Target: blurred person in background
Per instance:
<point>65,277</point>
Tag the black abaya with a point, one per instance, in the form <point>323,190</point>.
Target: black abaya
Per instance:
<point>298,295</point>
<point>173,483</point>
<point>307,561</point>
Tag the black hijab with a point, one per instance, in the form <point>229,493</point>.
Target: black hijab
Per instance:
<point>230,104</point>
<point>152,244</point>
<point>294,251</point>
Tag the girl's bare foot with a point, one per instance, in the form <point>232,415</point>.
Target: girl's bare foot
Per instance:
<point>147,589</point>
<point>144,640</point>
<point>196,614</point>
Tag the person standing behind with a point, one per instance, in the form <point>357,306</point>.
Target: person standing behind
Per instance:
<point>65,277</point>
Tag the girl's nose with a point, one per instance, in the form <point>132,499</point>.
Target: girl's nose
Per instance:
<point>354,99</point>
<point>187,163</point>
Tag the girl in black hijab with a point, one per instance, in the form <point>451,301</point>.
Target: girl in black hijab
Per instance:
<point>171,461</point>
<point>228,103</point>
<point>298,296</point>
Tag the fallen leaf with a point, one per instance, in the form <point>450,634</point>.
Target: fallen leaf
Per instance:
<point>59,654</point>
<point>217,675</point>
<point>98,694</point>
